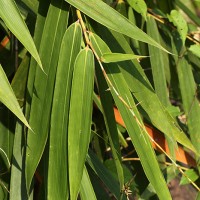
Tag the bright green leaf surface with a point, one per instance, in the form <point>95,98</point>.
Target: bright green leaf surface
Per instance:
<point>191,174</point>
<point>139,6</point>
<point>86,190</point>
<point>117,57</point>
<point>7,97</point>
<point>80,118</point>
<point>195,49</point>
<point>177,19</point>
<point>13,19</point>
<point>44,85</point>
<point>107,16</point>
<point>70,47</point>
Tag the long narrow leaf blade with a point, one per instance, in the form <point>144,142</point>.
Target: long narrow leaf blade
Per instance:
<point>117,57</point>
<point>143,91</point>
<point>107,16</point>
<point>7,97</point>
<point>70,48</point>
<point>138,135</point>
<point>44,85</point>
<point>86,190</point>
<point>80,117</point>
<point>13,19</point>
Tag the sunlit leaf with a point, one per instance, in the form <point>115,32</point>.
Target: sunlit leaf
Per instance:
<point>7,97</point>
<point>139,6</point>
<point>107,16</point>
<point>80,117</point>
<point>177,19</point>
<point>44,85</point>
<point>117,57</point>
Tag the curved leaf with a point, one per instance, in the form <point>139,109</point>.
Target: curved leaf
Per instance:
<point>107,16</point>
<point>44,85</point>
<point>7,97</point>
<point>80,117</point>
<point>70,47</point>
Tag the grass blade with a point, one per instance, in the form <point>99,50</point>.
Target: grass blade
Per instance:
<point>70,48</point>
<point>80,117</point>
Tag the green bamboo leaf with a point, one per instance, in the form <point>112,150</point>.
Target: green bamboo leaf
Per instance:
<point>104,174</point>
<point>18,191</point>
<point>177,19</point>
<point>70,47</point>
<point>195,49</point>
<point>80,116</point>
<point>188,11</point>
<point>191,174</point>
<point>117,57</point>
<point>86,190</point>
<point>14,21</point>
<point>157,63</point>
<point>39,26</point>
<point>44,85</point>
<point>134,126</point>
<point>131,17</point>
<point>139,6</point>
<point>190,101</point>
<point>107,16</point>
<point>143,91</point>
<point>109,118</point>
<point>8,98</point>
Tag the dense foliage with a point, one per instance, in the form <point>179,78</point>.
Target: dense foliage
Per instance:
<point>99,99</point>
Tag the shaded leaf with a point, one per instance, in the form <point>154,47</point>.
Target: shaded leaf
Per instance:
<point>13,19</point>
<point>104,174</point>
